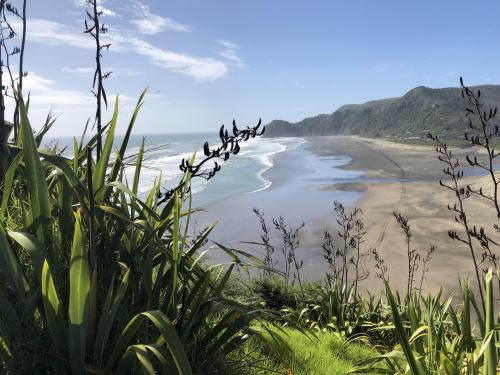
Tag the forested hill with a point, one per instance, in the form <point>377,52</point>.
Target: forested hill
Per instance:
<point>411,116</point>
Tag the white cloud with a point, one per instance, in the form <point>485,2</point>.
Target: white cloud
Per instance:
<point>108,12</point>
<point>62,98</point>
<point>200,68</point>
<point>33,82</point>
<point>150,24</point>
<point>44,92</point>
<point>229,52</point>
<point>226,43</point>
<point>230,55</point>
<point>57,34</point>
<point>72,107</point>
<point>105,11</point>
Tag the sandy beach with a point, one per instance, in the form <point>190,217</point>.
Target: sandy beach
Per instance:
<point>379,177</point>
<point>419,197</point>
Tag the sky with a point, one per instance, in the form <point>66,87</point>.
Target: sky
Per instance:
<point>209,62</point>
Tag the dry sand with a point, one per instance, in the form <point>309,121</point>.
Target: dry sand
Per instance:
<point>408,183</point>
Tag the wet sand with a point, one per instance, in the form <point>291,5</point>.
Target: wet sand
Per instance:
<point>298,193</point>
<point>381,177</point>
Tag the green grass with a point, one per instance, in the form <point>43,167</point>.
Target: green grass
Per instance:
<point>323,354</point>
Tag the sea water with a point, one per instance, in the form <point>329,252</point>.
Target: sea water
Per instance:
<point>279,176</point>
<point>243,173</point>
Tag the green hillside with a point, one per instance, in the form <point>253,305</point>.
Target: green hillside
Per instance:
<point>411,116</point>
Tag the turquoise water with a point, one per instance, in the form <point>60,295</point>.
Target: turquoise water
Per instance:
<point>164,153</point>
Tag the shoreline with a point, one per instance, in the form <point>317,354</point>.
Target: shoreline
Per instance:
<point>295,194</point>
<point>419,197</point>
<point>379,177</point>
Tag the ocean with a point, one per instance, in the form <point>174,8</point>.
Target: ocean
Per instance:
<point>243,173</point>
<point>282,177</point>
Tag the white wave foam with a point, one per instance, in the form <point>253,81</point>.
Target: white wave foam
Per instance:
<point>166,166</point>
<point>156,163</point>
<point>278,145</point>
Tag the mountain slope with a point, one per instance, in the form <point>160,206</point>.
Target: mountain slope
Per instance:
<point>420,110</point>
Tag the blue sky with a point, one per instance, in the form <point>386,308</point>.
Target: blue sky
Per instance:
<point>207,62</point>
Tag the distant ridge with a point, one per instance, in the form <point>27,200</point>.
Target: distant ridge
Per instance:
<point>410,116</point>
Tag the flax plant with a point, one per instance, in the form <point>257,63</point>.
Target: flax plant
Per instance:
<point>97,279</point>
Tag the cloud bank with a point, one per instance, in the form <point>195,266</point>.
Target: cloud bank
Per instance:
<point>58,34</point>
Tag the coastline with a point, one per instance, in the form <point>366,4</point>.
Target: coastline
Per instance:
<point>377,176</point>
<point>419,197</point>
<point>296,194</point>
